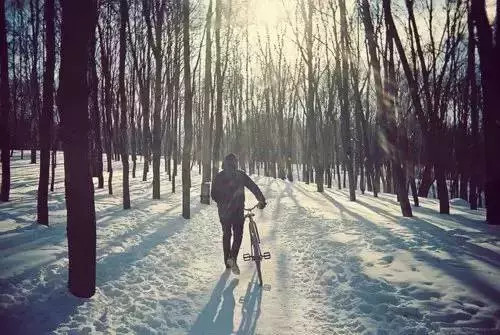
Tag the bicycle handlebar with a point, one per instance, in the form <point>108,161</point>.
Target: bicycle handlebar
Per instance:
<point>251,209</point>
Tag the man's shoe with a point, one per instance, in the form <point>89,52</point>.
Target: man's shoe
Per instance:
<point>235,269</point>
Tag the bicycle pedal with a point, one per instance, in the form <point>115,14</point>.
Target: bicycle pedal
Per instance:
<point>266,255</point>
<point>247,257</point>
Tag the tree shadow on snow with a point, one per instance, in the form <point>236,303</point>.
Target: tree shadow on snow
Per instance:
<point>455,241</point>
<point>112,266</point>
<point>53,305</point>
<point>427,235</point>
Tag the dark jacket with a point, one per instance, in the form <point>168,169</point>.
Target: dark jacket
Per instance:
<point>229,194</point>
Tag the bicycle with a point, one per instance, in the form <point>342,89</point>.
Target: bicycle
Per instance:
<point>255,253</point>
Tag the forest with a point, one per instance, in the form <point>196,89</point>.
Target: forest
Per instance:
<point>375,97</point>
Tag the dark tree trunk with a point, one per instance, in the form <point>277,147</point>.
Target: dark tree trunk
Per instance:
<point>73,92</point>
<point>35,90</point>
<point>385,109</point>
<point>156,145</point>
<point>123,104</point>
<point>389,175</point>
<point>463,187</point>
<point>489,53</point>
<point>205,186</point>
<point>442,188</point>
<point>188,125</point>
<point>47,114</point>
<point>426,182</point>
<point>133,147</point>
<point>344,174</point>
<point>133,131</point>
<point>176,114</point>
<point>156,45</point>
<point>345,117</point>
<point>305,174</point>
<point>108,103</point>
<point>95,138</point>
<point>339,184</point>
<point>146,131</point>
<point>218,86</point>
<point>53,165</point>
<point>329,177</point>
<point>320,176</point>
<point>396,137</point>
<point>413,188</point>
<point>4,107</point>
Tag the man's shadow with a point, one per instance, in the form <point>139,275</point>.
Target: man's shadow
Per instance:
<point>217,316</point>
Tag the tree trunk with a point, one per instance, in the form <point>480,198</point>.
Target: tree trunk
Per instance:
<point>54,164</point>
<point>35,89</point>
<point>426,182</point>
<point>205,181</point>
<point>146,131</point>
<point>345,117</point>
<point>444,204</point>
<point>188,125</point>
<point>218,101</point>
<point>95,138</point>
<point>107,119</point>
<point>320,176</point>
<point>156,146</point>
<point>4,107</point>
<point>413,187</point>
<point>73,92</point>
<point>489,53</point>
<point>123,104</point>
<point>396,136</point>
<point>47,114</point>
<point>156,45</point>
<point>387,110</point>
<point>463,187</point>
<point>133,131</point>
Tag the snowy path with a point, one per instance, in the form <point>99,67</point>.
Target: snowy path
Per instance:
<point>337,267</point>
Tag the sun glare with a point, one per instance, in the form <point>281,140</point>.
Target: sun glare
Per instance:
<point>268,13</point>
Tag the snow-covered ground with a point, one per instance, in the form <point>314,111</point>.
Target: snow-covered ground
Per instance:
<point>337,267</point>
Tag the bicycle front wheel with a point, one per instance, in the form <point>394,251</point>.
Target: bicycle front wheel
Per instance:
<point>256,250</point>
<point>259,272</point>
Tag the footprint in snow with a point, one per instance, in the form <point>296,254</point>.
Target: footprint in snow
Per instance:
<point>386,259</point>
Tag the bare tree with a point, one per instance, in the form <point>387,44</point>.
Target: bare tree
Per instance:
<point>218,89</point>
<point>188,125</point>
<point>4,106</point>
<point>345,117</point>
<point>123,104</point>
<point>47,113</point>
<point>206,158</point>
<point>73,92</point>
<point>155,42</point>
<point>489,54</point>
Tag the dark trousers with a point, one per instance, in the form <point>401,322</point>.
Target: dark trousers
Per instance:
<point>233,226</point>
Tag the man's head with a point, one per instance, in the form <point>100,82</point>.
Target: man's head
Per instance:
<point>230,162</point>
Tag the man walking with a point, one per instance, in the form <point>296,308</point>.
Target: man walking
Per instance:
<point>229,194</point>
